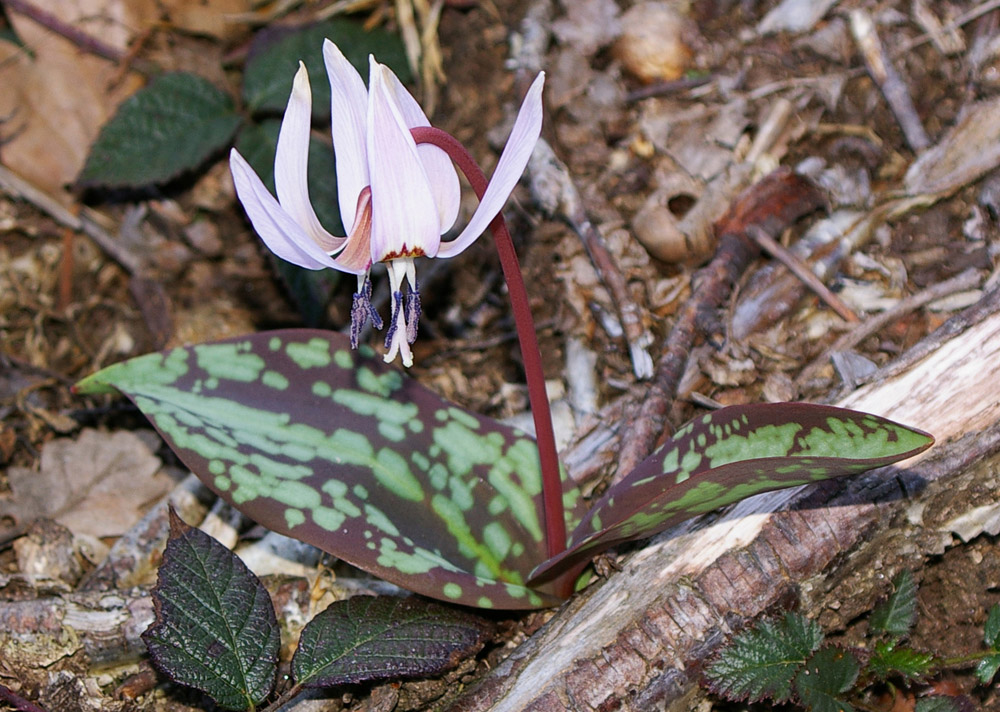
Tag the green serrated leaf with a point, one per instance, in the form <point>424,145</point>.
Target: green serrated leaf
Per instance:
<point>215,628</point>
<point>275,54</point>
<point>731,454</point>
<point>991,631</point>
<point>309,289</point>
<point>887,660</point>
<point>938,703</point>
<point>171,126</point>
<point>896,615</point>
<point>761,662</point>
<point>376,638</point>
<point>333,447</point>
<point>987,668</point>
<point>829,673</point>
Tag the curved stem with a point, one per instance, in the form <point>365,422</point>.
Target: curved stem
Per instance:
<point>555,517</point>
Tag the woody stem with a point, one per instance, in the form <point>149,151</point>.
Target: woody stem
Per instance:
<point>555,522</point>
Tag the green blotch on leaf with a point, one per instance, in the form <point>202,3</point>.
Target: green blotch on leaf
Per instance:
<point>229,361</point>
<point>394,474</point>
<point>294,517</point>
<point>315,353</point>
<point>273,379</point>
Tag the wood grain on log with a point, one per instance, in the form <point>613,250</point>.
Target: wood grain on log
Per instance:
<point>639,640</point>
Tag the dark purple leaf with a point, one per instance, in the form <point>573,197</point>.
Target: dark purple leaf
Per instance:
<point>375,638</point>
<point>215,628</point>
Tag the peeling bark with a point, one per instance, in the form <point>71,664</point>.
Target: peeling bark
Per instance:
<point>640,639</point>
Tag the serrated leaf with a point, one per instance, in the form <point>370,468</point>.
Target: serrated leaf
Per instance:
<point>938,703</point>
<point>896,615</point>
<point>761,662</point>
<point>887,660</point>
<point>376,638</point>
<point>335,448</point>
<point>309,289</point>
<point>830,672</point>
<point>991,631</point>
<point>275,54</point>
<point>169,127</point>
<point>215,628</point>
<point>987,668</point>
<point>731,454</point>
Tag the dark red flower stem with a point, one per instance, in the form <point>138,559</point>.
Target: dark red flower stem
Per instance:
<point>555,517</point>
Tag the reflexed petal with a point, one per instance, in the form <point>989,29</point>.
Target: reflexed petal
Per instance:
<point>440,171</point>
<point>291,161</point>
<point>348,114</point>
<point>514,158</point>
<point>404,215</point>
<point>282,235</point>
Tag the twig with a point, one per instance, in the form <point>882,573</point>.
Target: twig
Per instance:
<point>81,39</point>
<point>668,87</point>
<point>771,204</point>
<point>555,192</point>
<point>801,270</point>
<point>889,81</point>
<point>88,221</point>
<point>19,703</point>
<point>966,280</point>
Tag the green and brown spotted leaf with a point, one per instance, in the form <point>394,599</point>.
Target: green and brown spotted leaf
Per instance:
<point>333,447</point>
<point>729,455</point>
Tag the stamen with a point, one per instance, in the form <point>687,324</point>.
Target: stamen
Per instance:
<point>412,312</point>
<point>362,310</point>
<point>390,335</point>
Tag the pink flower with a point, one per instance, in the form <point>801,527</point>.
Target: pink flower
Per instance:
<point>399,198</point>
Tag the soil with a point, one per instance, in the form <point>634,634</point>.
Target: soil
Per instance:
<point>67,308</point>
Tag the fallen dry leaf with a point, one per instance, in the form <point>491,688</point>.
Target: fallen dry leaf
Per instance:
<point>56,97</point>
<point>96,484</point>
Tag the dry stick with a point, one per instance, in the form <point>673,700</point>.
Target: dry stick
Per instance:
<point>771,204</point>
<point>966,280</point>
<point>557,194</point>
<point>87,222</point>
<point>81,39</point>
<point>801,270</point>
<point>888,80</point>
<point>552,488</point>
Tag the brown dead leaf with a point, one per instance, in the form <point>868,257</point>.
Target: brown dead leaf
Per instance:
<point>97,484</point>
<point>56,97</point>
<point>207,17</point>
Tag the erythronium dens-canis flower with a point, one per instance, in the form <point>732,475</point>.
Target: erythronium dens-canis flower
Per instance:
<point>398,197</point>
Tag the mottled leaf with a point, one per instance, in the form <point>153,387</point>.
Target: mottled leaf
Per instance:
<point>895,616</point>
<point>888,660</point>
<point>729,455</point>
<point>333,447</point>
<point>829,673</point>
<point>376,638</point>
<point>171,126</point>
<point>275,54</point>
<point>761,662</point>
<point>215,628</point>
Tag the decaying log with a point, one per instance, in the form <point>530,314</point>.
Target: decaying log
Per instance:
<point>640,639</point>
